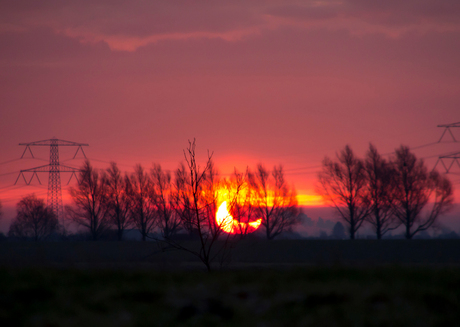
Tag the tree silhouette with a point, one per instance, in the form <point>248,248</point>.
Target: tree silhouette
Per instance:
<point>414,186</point>
<point>90,200</point>
<point>163,199</point>
<point>276,202</point>
<point>342,183</point>
<point>195,202</point>
<point>380,188</point>
<point>34,219</point>
<point>140,191</point>
<point>118,202</point>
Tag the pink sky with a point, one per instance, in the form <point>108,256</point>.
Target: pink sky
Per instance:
<point>277,82</point>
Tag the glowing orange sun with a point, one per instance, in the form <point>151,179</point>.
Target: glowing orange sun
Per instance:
<point>232,226</point>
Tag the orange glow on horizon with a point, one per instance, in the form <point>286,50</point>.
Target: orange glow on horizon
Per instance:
<point>310,200</point>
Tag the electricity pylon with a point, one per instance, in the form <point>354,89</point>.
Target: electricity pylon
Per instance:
<point>448,160</point>
<point>54,168</point>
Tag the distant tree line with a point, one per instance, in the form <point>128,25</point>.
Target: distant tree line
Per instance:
<point>384,193</point>
<point>167,205</point>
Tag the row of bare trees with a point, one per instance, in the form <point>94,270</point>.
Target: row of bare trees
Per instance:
<point>157,201</point>
<point>110,199</point>
<point>160,202</point>
<point>384,193</point>
<point>187,200</point>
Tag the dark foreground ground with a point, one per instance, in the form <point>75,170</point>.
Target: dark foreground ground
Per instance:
<point>243,254</point>
<point>388,296</point>
<point>281,283</point>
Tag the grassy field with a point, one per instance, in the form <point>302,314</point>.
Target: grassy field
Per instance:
<point>279,283</point>
<point>248,254</point>
<point>386,296</point>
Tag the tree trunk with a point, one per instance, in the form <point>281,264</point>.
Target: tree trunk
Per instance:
<point>352,232</point>
<point>379,228</point>
<point>408,233</point>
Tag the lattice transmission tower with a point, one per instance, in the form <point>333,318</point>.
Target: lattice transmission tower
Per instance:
<point>54,168</point>
<point>449,160</point>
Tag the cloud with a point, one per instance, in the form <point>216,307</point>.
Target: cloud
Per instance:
<point>129,25</point>
<point>391,18</point>
<point>407,12</point>
<point>131,43</point>
<point>308,11</point>
<point>386,13</point>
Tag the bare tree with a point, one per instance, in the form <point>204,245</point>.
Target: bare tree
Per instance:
<point>140,191</point>
<point>415,186</point>
<point>276,202</point>
<point>90,200</point>
<point>183,202</point>
<point>195,198</point>
<point>380,188</point>
<point>163,199</point>
<point>118,202</point>
<point>34,219</point>
<point>342,183</point>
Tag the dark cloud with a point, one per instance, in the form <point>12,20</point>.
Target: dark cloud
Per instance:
<point>130,25</point>
<point>135,18</point>
<point>305,11</point>
<point>394,12</point>
<point>376,12</point>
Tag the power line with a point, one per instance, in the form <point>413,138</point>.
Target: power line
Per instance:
<point>302,173</point>
<point>9,188</point>
<point>14,172</point>
<point>13,160</point>
<point>5,162</point>
<point>439,155</point>
<point>303,168</point>
<point>413,148</point>
<point>109,162</point>
<point>423,145</point>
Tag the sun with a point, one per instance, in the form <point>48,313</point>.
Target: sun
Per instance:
<point>232,226</point>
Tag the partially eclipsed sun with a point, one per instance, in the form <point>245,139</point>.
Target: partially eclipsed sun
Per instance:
<point>232,226</point>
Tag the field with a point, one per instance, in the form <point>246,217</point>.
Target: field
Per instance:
<point>244,254</point>
<point>287,283</point>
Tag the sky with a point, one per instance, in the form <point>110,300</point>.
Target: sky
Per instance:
<point>272,82</point>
